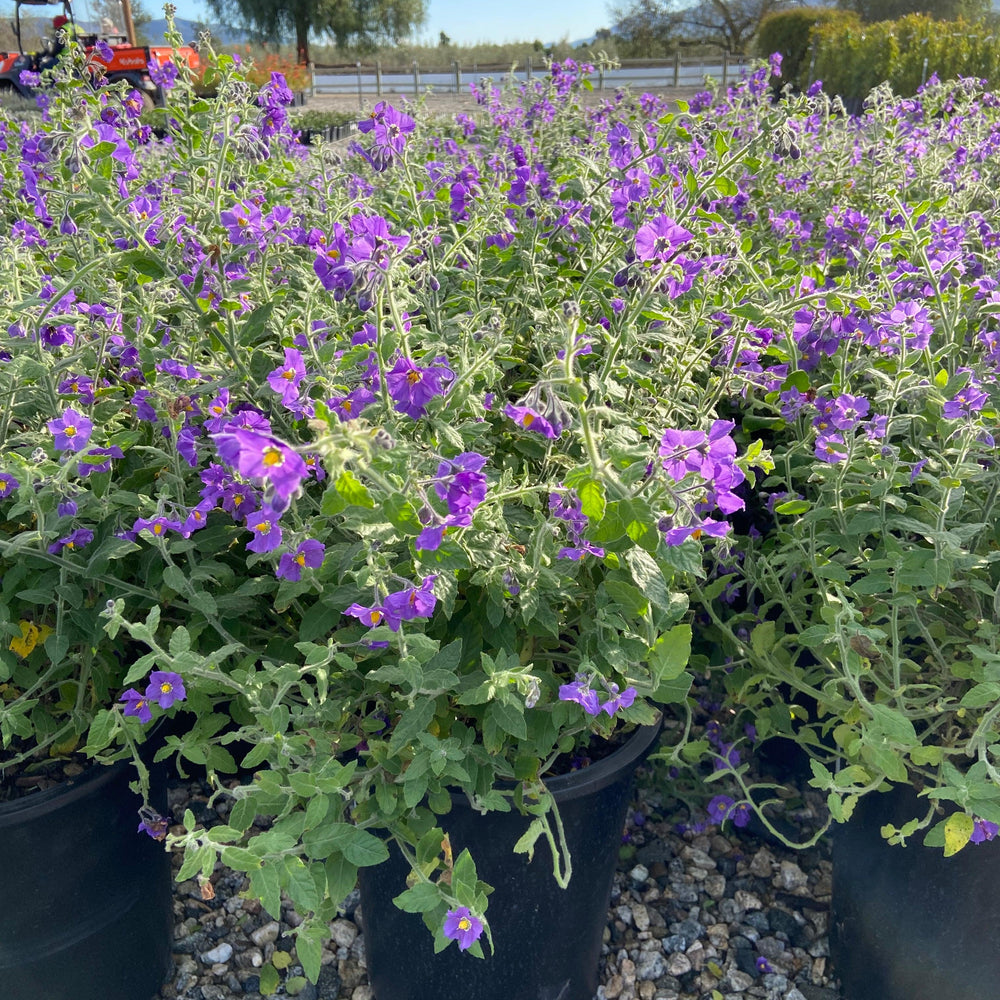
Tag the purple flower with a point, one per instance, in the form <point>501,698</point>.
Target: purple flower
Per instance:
<point>261,456</point>
<point>968,400</point>
<point>373,616</point>
<point>159,526</point>
<point>74,540</point>
<point>460,484</point>
<point>982,830</point>
<point>530,419</point>
<point>412,387</point>
<point>7,485</point>
<point>460,925</point>
<point>152,824</point>
<point>97,460</point>
<point>71,430</point>
<point>163,76</point>
<point>286,378</point>
<point>165,687</point>
<point>413,602</point>
<point>831,448</point>
<point>707,526</point>
<point>137,704</point>
<point>763,965</point>
<point>580,692</point>
<point>720,808</point>
<point>310,553</point>
<point>660,239</point>
<point>266,531</point>
<point>617,701</point>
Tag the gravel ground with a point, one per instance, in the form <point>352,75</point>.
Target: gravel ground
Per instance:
<point>693,916</point>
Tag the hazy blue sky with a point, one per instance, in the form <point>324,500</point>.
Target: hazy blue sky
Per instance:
<point>470,21</point>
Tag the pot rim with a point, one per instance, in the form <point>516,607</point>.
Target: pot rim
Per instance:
<point>61,796</point>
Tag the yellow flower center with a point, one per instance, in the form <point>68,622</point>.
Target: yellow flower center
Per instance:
<point>264,527</point>
<point>166,687</point>
<point>376,617</point>
<point>465,924</point>
<point>300,559</point>
<point>157,529</point>
<point>528,419</point>
<point>288,374</point>
<point>273,456</point>
<point>69,431</point>
<point>413,377</point>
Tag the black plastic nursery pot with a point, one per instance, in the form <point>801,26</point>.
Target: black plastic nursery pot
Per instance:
<point>548,940</point>
<point>909,923</point>
<point>85,901</point>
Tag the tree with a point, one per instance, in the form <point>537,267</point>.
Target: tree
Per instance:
<point>443,40</point>
<point>652,25</point>
<point>364,23</point>
<point>646,27</point>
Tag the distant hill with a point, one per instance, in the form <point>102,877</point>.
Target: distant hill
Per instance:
<point>190,30</point>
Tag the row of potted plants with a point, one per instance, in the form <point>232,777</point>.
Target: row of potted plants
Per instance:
<point>396,487</point>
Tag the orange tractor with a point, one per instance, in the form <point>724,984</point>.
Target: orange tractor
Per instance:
<point>120,57</point>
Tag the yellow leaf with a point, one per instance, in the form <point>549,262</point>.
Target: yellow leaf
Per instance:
<point>957,830</point>
<point>27,641</point>
<point>281,959</point>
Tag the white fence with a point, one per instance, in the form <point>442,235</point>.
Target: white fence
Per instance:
<point>372,78</point>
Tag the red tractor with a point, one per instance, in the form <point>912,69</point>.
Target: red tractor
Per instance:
<point>129,60</point>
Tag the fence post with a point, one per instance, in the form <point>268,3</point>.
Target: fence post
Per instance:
<point>458,76</point>
<point>361,100</point>
<point>416,79</point>
<point>812,61</point>
<point>677,68</point>
<point>725,67</point>
<point>600,77</point>
<point>378,77</point>
<point>923,73</point>
<point>527,68</point>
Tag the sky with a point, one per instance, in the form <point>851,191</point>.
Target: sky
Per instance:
<point>470,21</point>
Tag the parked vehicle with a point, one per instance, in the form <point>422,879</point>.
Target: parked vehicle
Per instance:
<point>129,60</point>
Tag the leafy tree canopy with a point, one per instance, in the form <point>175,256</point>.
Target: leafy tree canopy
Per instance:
<point>366,24</point>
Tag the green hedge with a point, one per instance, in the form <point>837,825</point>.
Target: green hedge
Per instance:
<point>789,32</point>
<point>852,59</point>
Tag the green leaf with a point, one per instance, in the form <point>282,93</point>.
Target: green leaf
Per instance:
<point>175,579</point>
<point>309,940</point>
<point>341,877</point>
<point>762,638</point>
<point>101,732</point>
<point>269,980</point>
<point>591,494</point>
<point>300,886</point>
<point>509,718</point>
<point>424,897</point>
<point>896,726</point>
<point>669,655</point>
<point>265,884</point>
<point>353,490</point>
<point>413,721</point>
<point>726,187</point>
<point>180,641</point>
<point>649,578</point>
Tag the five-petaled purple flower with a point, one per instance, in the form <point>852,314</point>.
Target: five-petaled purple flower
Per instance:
<point>530,419</point>
<point>165,687</point>
<point>137,704</point>
<point>71,431</point>
<point>463,926</point>
<point>7,485</point>
<point>412,387</point>
<point>309,553</point>
<point>260,456</point>
<point>662,239</point>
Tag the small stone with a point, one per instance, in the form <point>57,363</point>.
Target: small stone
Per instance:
<point>640,915</point>
<point>223,953</point>
<point>700,859</point>
<point>639,875</point>
<point>363,992</point>
<point>715,886</point>
<point>267,934</point>
<point>678,964</point>
<point>794,994</point>
<point>625,915</point>
<point>762,864</point>
<point>738,981</point>
<point>647,990</point>
<point>613,987</point>
<point>790,876</point>
<point>747,900</point>
<point>718,935</point>
<point>650,967</point>
<point>219,969</point>
<point>343,933</point>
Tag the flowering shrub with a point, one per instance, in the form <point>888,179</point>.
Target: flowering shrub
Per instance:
<point>378,477</point>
